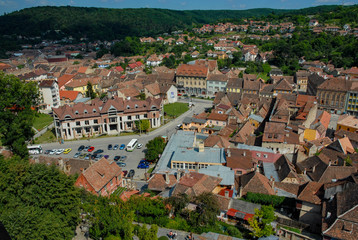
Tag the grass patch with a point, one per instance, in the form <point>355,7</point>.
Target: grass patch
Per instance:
<point>119,191</point>
<point>296,230</point>
<point>42,120</point>
<point>150,170</point>
<point>174,110</point>
<point>48,137</point>
<point>263,76</point>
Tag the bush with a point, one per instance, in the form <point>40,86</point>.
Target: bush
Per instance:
<point>264,199</point>
<point>163,238</point>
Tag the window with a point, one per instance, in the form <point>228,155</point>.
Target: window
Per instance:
<point>95,121</point>
<point>145,115</point>
<point>265,155</point>
<point>258,154</point>
<point>78,123</point>
<point>129,117</point>
<point>137,116</point>
<point>76,112</point>
<point>68,125</point>
<point>86,122</point>
<point>136,106</point>
<point>128,107</point>
<point>85,111</point>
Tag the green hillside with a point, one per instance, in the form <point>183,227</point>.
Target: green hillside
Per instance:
<point>108,24</point>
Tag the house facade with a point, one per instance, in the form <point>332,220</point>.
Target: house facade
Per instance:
<point>191,79</point>
<point>111,117</point>
<point>50,94</point>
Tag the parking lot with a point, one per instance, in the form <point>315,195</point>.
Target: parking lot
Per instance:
<point>133,158</point>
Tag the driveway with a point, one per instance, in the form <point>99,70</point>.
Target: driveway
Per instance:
<point>134,157</point>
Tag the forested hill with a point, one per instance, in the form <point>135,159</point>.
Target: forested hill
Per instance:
<point>107,24</point>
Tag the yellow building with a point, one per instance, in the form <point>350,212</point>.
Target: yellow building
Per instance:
<point>348,123</point>
<point>191,79</point>
<point>80,85</point>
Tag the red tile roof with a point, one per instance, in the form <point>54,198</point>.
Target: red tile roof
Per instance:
<point>101,173</point>
<point>72,95</point>
<point>64,79</point>
<point>192,70</point>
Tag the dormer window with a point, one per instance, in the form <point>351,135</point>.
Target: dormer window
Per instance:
<point>128,107</point>
<point>85,112</point>
<point>94,110</point>
<point>76,112</point>
<point>136,106</point>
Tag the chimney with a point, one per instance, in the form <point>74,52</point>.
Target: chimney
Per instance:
<point>244,154</point>
<point>227,193</point>
<point>201,147</point>
<point>272,182</point>
<point>314,169</point>
<point>330,162</point>
<point>305,171</point>
<point>167,181</point>
<point>228,153</point>
<point>240,191</point>
<point>194,144</point>
<point>178,175</point>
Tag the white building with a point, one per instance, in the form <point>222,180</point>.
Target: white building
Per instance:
<point>50,94</point>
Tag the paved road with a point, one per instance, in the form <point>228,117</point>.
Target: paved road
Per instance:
<point>138,154</point>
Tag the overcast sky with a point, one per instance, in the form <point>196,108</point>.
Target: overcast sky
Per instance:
<point>12,5</point>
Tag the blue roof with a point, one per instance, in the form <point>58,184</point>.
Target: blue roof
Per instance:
<point>254,148</point>
<point>270,170</point>
<point>209,155</point>
<point>180,139</point>
<point>227,175</point>
<point>256,118</point>
<point>82,100</point>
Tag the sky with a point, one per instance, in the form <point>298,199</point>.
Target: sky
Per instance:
<point>7,6</point>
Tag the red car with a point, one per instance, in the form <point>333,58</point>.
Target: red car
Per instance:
<point>91,149</point>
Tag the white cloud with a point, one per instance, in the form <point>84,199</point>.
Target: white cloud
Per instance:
<point>242,5</point>
<point>183,3</point>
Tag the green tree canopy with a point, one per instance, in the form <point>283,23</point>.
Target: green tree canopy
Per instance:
<point>17,100</point>
<point>90,92</point>
<point>143,125</point>
<point>154,148</point>
<point>37,201</point>
<point>261,222</point>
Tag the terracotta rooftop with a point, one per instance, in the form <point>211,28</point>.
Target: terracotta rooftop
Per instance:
<point>311,193</point>
<point>192,70</point>
<point>72,95</point>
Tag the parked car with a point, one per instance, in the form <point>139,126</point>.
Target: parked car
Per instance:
<point>93,156</point>
<point>115,147</point>
<point>81,148</point>
<point>121,164</point>
<point>98,151</point>
<point>123,158</point>
<point>122,147</point>
<point>117,158</point>
<point>82,156</point>
<point>139,146</point>
<point>67,151</point>
<point>110,147</point>
<point>179,126</point>
<point>77,155</point>
<point>106,156</point>
<point>90,149</point>
<point>47,151</point>
<point>88,156</point>
<point>98,157</point>
<point>130,173</point>
<point>125,173</point>
<point>143,165</point>
<point>144,161</point>
<point>59,151</point>
<point>86,148</point>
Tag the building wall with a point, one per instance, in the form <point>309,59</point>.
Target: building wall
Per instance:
<point>347,128</point>
<point>215,86</point>
<point>311,214</point>
<point>51,96</point>
<point>112,125</point>
<point>331,100</point>
<point>172,95</point>
<point>281,148</point>
<point>218,123</point>
<point>351,106</point>
<point>199,126</point>
<point>192,85</point>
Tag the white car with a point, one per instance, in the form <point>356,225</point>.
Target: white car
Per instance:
<point>59,151</point>
<point>53,151</point>
<point>139,146</point>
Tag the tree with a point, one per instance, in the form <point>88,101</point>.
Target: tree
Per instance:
<point>206,211</point>
<point>37,201</point>
<point>17,100</point>
<point>142,125</point>
<point>89,92</point>
<point>154,148</point>
<point>142,96</point>
<point>261,222</point>
<point>178,203</point>
<point>143,233</point>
